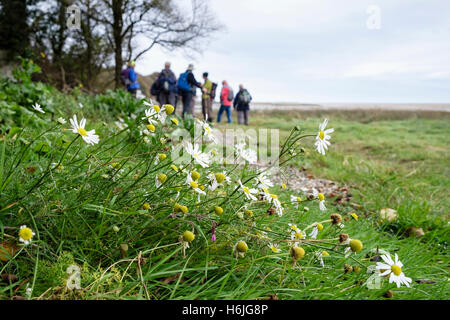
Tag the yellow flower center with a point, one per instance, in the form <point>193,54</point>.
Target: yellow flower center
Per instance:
<point>396,270</point>
<point>162,177</point>
<point>169,108</point>
<point>321,135</point>
<point>319,227</point>
<point>299,199</point>
<point>194,184</point>
<point>208,130</point>
<point>218,210</point>
<point>157,108</point>
<point>246,190</point>
<point>195,175</point>
<point>174,167</point>
<point>82,132</point>
<point>274,196</point>
<point>299,235</point>
<point>162,156</point>
<point>174,120</point>
<point>220,177</point>
<point>151,127</point>
<point>25,233</point>
<point>321,196</point>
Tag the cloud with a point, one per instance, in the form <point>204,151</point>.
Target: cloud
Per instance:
<point>291,50</point>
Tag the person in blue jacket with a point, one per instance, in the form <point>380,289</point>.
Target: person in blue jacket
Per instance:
<point>133,86</point>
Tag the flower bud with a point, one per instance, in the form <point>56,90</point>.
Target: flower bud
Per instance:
<point>356,245</point>
<point>241,246</point>
<point>297,252</point>
<point>188,236</point>
<point>195,175</point>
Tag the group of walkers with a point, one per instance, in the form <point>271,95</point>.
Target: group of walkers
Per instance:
<point>169,90</point>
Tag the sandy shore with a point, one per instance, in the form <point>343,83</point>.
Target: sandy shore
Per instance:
<point>344,106</point>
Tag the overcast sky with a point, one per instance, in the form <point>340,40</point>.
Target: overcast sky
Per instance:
<point>311,51</point>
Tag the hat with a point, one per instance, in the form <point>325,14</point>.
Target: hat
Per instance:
<point>190,66</point>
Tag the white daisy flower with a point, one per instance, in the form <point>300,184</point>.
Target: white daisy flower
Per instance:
<point>263,181</point>
<point>88,136</point>
<point>25,235</point>
<point>61,120</point>
<point>274,248</point>
<point>158,112</point>
<point>295,200</point>
<point>296,233</point>
<point>249,192</point>
<point>207,130</point>
<point>322,138</point>
<point>246,154</point>
<point>315,231</point>
<point>194,185</point>
<point>213,184</point>
<point>320,255</point>
<point>38,108</point>
<point>199,157</point>
<point>393,268</point>
<point>321,198</point>
<point>150,115</point>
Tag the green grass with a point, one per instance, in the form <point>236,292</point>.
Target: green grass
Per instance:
<point>75,209</point>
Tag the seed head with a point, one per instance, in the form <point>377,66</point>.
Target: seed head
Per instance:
<point>343,237</point>
<point>356,245</point>
<point>188,236</point>
<point>336,218</point>
<point>297,252</point>
<point>241,246</point>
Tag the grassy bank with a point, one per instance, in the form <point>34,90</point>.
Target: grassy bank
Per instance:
<point>116,212</point>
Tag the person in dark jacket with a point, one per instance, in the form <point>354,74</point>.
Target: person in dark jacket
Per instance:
<point>167,84</point>
<point>187,94</point>
<point>242,104</point>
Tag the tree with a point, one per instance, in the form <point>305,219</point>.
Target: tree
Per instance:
<point>14,31</point>
<point>160,22</point>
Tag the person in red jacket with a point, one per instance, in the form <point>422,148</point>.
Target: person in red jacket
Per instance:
<point>226,99</point>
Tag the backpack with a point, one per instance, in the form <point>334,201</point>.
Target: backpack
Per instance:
<point>213,91</point>
<point>244,97</point>
<point>124,77</point>
<point>230,94</point>
<point>183,84</point>
<point>164,84</point>
<point>155,89</point>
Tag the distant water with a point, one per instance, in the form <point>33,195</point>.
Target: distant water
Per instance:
<point>342,106</point>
